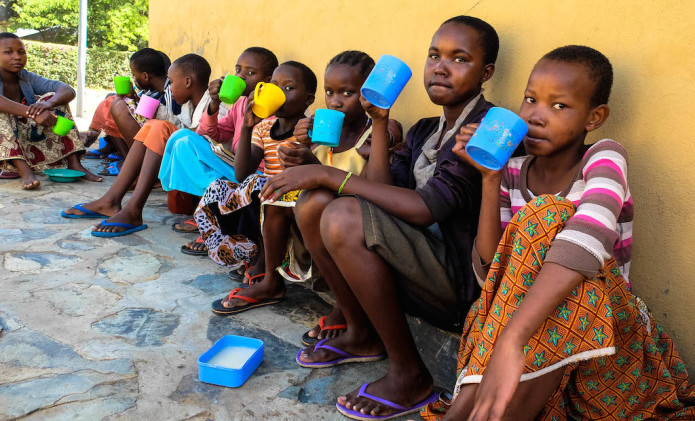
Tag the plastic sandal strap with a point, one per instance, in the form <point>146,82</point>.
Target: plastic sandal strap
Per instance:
<point>363,393</point>
<point>323,327</point>
<point>84,210</point>
<point>251,278</point>
<point>118,224</point>
<point>190,222</point>
<point>320,345</point>
<point>232,295</point>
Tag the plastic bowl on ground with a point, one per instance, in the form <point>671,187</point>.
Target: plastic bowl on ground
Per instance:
<point>63,175</point>
<point>230,361</point>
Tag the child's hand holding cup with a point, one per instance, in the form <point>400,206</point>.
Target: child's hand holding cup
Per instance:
<point>495,139</point>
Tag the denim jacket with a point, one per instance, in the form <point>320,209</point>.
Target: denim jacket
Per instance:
<point>33,85</point>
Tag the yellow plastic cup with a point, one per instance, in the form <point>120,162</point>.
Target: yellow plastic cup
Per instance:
<point>63,125</point>
<point>267,98</point>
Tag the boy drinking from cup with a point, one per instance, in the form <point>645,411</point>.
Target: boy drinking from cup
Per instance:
<point>189,76</point>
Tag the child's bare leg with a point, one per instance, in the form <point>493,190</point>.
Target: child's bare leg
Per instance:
<point>120,145</point>
<point>28,180</point>
<point>370,278</point>
<point>360,337</point>
<point>276,228</point>
<point>132,211</point>
<point>110,203</point>
<point>528,400</point>
<point>309,210</point>
<point>75,164</point>
<point>124,121</point>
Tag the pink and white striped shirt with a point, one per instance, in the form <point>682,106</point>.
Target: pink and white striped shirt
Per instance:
<point>602,226</point>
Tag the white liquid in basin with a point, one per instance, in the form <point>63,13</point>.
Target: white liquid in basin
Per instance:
<point>232,357</point>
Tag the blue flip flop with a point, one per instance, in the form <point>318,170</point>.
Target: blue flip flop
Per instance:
<point>87,213</point>
<point>401,410</point>
<point>130,228</point>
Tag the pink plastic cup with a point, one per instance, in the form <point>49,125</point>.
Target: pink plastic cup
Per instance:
<point>147,107</point>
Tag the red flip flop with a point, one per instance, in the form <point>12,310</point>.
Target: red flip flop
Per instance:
<point>186,222</point>
<point>251,278</point>
<point>219,308</point>
<point>309,341</point>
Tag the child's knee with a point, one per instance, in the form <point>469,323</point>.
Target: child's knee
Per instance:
<point>310,206</point>
<point>341,223</point>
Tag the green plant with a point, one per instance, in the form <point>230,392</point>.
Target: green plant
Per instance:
<point>114,24</point>
<point>59,62</point>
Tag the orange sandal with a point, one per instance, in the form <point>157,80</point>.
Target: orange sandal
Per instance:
<point>190,222</point>
<point>251,278</point>
<point>309,341</point>
<point>220,309</point>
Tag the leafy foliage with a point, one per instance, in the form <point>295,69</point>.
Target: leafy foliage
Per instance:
<point>114,24</point>
<point>59,62</point>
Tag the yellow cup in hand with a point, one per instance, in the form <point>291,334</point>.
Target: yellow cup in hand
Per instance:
<point>267,98</point>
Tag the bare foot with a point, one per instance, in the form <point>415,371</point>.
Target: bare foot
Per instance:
<point>123,217</point>
<point>196,245</point>
<point>29,181</point>
<point>404,387</point>
<point>101,205</point>
<point>186,226</point>
<point>75,164</point>
<point>259,291</point>
<point>360,343</point>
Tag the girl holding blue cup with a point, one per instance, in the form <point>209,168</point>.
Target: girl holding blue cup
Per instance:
<point>345,144</point>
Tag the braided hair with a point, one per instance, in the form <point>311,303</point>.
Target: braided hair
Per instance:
<point>353,58</point>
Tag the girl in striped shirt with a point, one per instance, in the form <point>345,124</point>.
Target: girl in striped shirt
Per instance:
<point>552,255</point>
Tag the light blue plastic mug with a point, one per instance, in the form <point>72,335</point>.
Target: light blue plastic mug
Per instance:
<point>496,138</point>
<point>328,124</point>
<point>386,81</point>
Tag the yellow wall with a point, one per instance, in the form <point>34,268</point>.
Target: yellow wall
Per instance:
<point>649,43</point>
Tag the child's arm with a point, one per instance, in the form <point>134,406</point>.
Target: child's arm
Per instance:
<point>298,152</point>
<point>63,93</point>
<point>218,129</point>
<point>405,204</point>
<point>550,288</point>
<point>7,106</point>
<point>489,224</point>
<point>378,168</point>
<point>248,156</point>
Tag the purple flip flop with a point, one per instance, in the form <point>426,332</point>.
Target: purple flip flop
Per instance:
<point>402,410</point>
<point>345,358</point>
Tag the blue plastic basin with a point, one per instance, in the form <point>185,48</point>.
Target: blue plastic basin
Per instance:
<point>231,361</point>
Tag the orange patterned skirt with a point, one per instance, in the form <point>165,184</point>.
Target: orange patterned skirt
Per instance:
<point>619,364</point>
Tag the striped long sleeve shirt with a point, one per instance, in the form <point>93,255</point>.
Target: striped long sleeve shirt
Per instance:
<point>602,226</point>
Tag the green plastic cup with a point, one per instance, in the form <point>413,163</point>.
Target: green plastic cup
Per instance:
<point>122,84</point>
<point>63,126</point>
<point>231,89</point>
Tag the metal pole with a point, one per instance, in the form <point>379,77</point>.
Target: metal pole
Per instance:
<point>81,57</point>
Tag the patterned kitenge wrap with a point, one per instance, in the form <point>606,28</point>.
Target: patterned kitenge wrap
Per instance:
<point>619,364</point>
<point>21,138</point>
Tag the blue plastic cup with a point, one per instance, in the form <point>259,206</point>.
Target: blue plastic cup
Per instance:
<point>386,81</point>
<point>496,138</point>
<point>328,125</point>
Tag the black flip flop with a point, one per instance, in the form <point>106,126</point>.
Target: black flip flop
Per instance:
<point>219,308</point>
<point>191,252</point>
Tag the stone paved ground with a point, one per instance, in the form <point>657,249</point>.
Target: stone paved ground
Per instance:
<point>95,328</point>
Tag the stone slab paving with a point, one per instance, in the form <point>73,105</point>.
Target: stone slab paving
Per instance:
<point>94,328</point>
